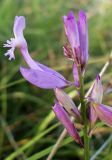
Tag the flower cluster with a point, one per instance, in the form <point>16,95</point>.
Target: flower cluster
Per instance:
<point>77,35</point>
<point>76,49</point>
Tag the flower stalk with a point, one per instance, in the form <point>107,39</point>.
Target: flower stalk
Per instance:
<point>84,116</point>
<point>47,78</point>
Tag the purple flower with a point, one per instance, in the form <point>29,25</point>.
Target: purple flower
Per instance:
<point>98,110</point>
<point>37,73</point>
<point>67,103</point>
<point>77,34</point>
<point>71,30</point>
<point>65,120</point>
<point>83,36</point>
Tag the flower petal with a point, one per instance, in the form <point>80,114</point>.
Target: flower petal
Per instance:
<point>76,75</point>
<point>43,79</point>
<point>71,30</point>
<point>64,118</point>
<point>18,41</point>
<point>92,115</point>
<point>97,91</point>
<point>10,53</point>
<point>83,36</point>
<point>104,113</point>
<point>36,65</point>
<point>50,70</point>
<point>67,103</point>
<point>19,25</point>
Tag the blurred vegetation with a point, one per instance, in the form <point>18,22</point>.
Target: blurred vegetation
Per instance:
<point>27,125</point>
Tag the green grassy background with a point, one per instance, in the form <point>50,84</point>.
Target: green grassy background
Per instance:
<point>28,128</point>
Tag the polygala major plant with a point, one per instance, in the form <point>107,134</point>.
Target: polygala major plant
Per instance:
<point>76,49</point>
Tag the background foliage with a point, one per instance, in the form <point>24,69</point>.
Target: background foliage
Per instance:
<point>28,128</point>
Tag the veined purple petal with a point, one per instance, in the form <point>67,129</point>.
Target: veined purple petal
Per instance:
<point>71,30</point>
<point>97,91</point>
<point>104,113</point>
<point>43,79</point>
<point>67,103</point>
<point>92,115</point>
<point>50,70</point>
<point>75,75</point>
<point>83,36</point>
<point>36,66</point>
<point>19,26</point>
<point>64,119</point>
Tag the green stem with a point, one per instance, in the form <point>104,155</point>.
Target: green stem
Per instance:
<point>84,116</point>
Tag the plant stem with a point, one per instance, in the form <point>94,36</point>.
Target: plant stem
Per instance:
<point>84,116</point>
